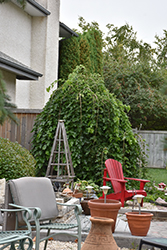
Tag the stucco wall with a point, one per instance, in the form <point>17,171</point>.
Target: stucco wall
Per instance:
<point>52,45</point>
<point>32,41</point>
<point>15,30</point>
<point>15,41</point>
<point>45,47</point>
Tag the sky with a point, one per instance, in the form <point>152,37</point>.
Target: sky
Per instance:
<point>147,17</point>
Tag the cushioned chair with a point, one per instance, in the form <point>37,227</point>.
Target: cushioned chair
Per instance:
<point>37,193</point>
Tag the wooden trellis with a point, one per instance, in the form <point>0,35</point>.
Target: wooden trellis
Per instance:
<point>60,168</point>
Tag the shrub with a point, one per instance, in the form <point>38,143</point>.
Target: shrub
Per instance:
<point>96,124</point>
<point>15,161</point>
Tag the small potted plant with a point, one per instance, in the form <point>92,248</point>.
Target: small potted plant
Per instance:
<point>77,193</point>
<point>89,190</point>
<point>82,184</point>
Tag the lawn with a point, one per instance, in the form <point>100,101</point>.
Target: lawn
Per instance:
<point>158,175</point>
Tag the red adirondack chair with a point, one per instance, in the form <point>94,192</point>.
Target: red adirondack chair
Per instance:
<point>114,174</point>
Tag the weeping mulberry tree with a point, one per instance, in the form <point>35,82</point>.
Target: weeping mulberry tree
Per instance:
<point>97,128</point>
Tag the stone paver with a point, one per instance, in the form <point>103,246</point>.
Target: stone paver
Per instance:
<point>122,234</point>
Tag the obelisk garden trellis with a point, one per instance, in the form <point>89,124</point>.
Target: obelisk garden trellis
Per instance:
<point>60,168</point>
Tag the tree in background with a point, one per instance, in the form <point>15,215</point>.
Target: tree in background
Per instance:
<point>161,50</point>
<point>135,72</point>
<point>94,36</point>
<point>85,49</point>
<point>69,56</point>
<point>85,53</point>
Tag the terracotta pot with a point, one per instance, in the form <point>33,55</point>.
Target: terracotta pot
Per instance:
<point>139,224</point>
<point>109,209</point>
<point>78,195</point>
<point>84,205</point>
<point>100,235</point>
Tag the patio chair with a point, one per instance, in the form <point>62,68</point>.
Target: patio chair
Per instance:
<point>113,173</point>
<point>21,237</point>
<point>154,242</point>
<point>37,193</point>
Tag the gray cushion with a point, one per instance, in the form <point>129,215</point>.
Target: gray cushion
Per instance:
<point>35,192</point>
<point>1,219</point>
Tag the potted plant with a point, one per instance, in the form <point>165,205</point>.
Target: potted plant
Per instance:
<point>139,222</point>
<point>82,184</point>
<point>105,207</point>
<point>89,190</point>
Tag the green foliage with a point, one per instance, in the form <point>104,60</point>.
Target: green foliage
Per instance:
<point>132,85</point>
<point>155,176</point>
<point>153,193</point>
<point>85,49</point>
<point>99,54</point>
<point>96,124</point>
<point>161,50</point>
<point>15,161</point>
<point>69,56</point>
<point>84,26</point>
<point>85,53</point>
<point>93,35</point>
<point>122,44</point>
<point>132,73</point>
<point>84,184</point>
<point>93,50</point>
<point>5,105</point>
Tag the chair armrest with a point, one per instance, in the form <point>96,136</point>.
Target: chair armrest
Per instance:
<point>36,210</point>
<point>135,179</point>
<point>28,211</point>
<point>114,179</point>
<point>142,182</point>
<point>27,214</point>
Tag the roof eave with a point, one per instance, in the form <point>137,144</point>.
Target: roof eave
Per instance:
<point>22,73</point>
<point>33,8</point>
<point>65,31</point>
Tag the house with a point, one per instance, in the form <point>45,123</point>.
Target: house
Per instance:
<point>29,45</point>
<point>29,50</point>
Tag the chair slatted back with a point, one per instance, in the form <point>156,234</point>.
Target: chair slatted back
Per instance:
<point>114,170</point>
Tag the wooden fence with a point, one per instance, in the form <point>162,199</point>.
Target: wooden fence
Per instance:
<point>157,156</point>
<point>155,141</point>
<point>21,132</point>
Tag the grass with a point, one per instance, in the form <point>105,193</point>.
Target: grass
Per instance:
<point>157,174</point>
